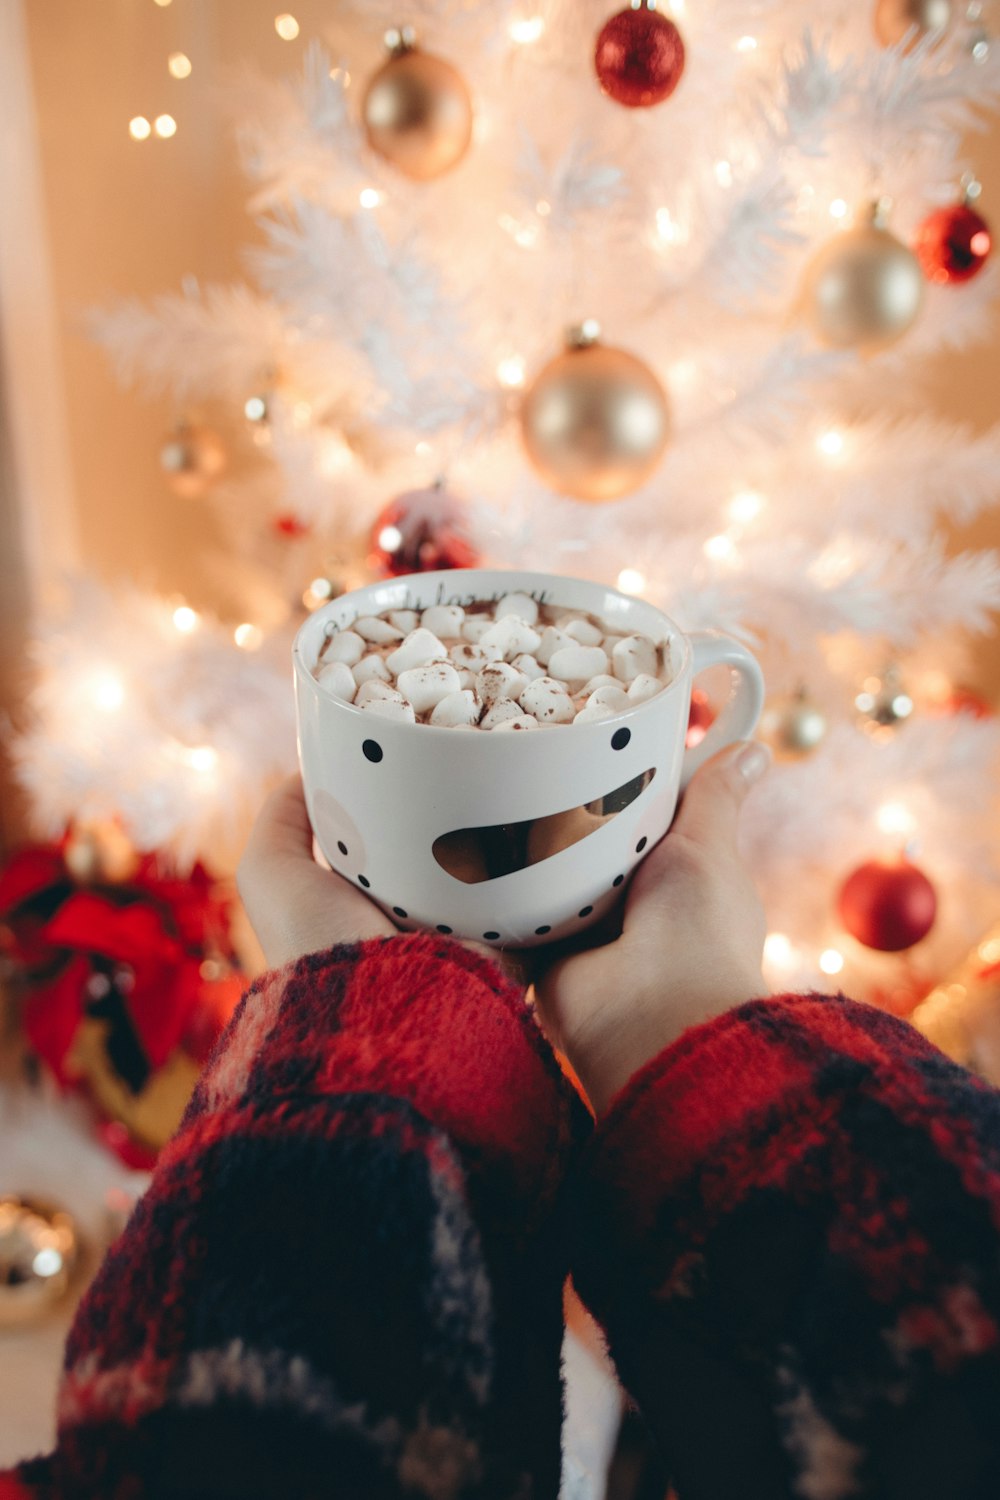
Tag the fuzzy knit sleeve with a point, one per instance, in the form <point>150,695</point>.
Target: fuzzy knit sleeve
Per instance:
<point>345,1279</point>
<point>788,1226</point>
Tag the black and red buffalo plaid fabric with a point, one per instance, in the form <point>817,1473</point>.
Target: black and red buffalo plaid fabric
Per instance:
<point>345,1279</point>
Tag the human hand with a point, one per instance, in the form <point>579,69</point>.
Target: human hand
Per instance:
<point>294,905</point>
<point>690,947</point>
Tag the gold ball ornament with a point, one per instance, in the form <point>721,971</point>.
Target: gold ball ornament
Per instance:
<point>100,853</point>
<point>38,1251</point>
<point>864,288</point>
<point>895,19</point>
<point>595,421</point>
<point>793,726</point>
<point>193,458</point>
<point>417,111</point>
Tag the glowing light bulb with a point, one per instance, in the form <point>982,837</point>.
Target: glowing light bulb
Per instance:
<point>720,548</point>
<point>747,44</point>
<point>422,448</point>
<point>631,581</point>
<point>893,817</point>
<point>745,506</point>
<point>667,227</point>
<point>831,962</point>
<point>724,173</point>
<point>248,637</point>
<point>179,65</point>
<point>108,691</point>
<point>139,128</point>
<point>510,371</point>
<point>989,951</point>
<point>165,126</point>
<point>47,1262</point>
<point>980,243</point>
<point>390,538</point>
<point>186,619</point>
<point>526,31</point>
<point>161,2</point>
<point>370,197</point>
<point>286,26</point>
<point>838,209</point>
<point>831,443</point>
<point>778,950</point>
<point>202,759</point>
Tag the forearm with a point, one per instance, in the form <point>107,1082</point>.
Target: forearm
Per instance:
<point>789,1229</point>
<point>345,1258</point>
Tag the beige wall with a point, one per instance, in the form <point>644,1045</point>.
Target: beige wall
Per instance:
<point>134,218</point>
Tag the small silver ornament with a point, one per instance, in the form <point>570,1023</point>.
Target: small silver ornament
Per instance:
<point>883,702</point>
<point>38,1251</point>
<point>793,726</point>
<point>864,288</point>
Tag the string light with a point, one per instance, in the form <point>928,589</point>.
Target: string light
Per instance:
<point>161,2</point>
<point>838,209</point>
<point>747,44</point>
<point>669,230</point>
<point>778,950</point>
<point>724,173</point>
<point>526,31</point>
<point>422,448</point>
<point>720,548</point>
<point>202,759</point>
<point>390,538</point>
<point>370,197</point>
<point>179,65</point>
<point>108,691</point>
<point>165,126</point>
<point>286,26</point>
<point>631,581</point>
<point>831,962</point>
<point>255,409</point>
<point>186,619</point>
<point>745,506</point>
<point>248,637</point>
<point>139,128</point>
<point>893,817</point>
<point>47,1262</point>
<point>831,443</point>
<point>510,371</point>
<point>989,951</point>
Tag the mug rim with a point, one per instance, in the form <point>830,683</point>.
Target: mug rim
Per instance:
<point>674,633</point>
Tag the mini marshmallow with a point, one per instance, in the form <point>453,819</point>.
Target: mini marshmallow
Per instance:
<point>528,666</point>
<point>503,709</point>
<point>500,680</point>
<point>375,690</point>
<point>457,711</point>
<point>548,701</point>
<point>594,713</point>
<point>443,619</point>
<point>476,626</point>
<point>390,708</point>
<point>644,686</point>
<point>338,680</point>
<point>467,657</point>
<point>346,646</point>
<point>577,664</point>
<point>610,642</point>
<point>424,687</point>
<point>508,637</point>
<point>552,640</point>
<point>379,632</point>
<point>404,619</point>
<point>582,631</point>
<point>466,678</point>
<point>634,654</point>
<point>517,604</point>
<point>601,680</point>
<point>420,647</point>
<point>523,721</point>
<point>369,667</point>
<point>615,698</point>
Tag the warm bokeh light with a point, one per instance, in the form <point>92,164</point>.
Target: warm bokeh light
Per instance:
<point>186,619</point>
<point>202,759</point>
<point>286,26</point>
<point>724,173</point>
<point>248,637</point>
<point>255,409</point>
<point>179,65</point>
<point>831,962</point>
<point>510,371</point>
<point>989,951</point>
<point>893,817</point>
<point>139,128</point>
<point>390,538</point>
<point>526,31</point>
<point>747,44</point>
<point>108,691</point>
<point>745,506</point>
<point>838,209</point>
<point>165,126</point>
<point>831,443</point>
<point>370,197</point>
<point>631,581</point>
<point>778,950</point>
<point>720,548</point>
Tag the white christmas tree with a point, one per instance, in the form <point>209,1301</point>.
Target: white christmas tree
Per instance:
<point>736,203</point>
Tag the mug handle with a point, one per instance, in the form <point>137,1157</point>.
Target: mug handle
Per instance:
<point>738,717</point>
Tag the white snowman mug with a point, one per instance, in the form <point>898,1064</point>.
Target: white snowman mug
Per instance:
<point>511,839</point>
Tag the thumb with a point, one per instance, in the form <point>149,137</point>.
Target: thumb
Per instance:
<point>710,809</point>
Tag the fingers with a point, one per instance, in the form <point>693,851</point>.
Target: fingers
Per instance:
<point>709,812</point>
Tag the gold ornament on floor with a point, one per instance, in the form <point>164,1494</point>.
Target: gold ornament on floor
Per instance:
<point>416,110</point>
<point>793,726</point>
<point>864,288</point>
<point>883,703</point>
<point>895,19</point>
<point>193,458</point>
<point>961,1015</point>
<point>38,1251</point>
<point>595,420</point>
<point>100,852</point>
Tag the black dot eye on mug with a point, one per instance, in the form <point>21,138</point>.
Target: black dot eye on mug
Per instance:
<point>620,739</point>
<point>372,750</point>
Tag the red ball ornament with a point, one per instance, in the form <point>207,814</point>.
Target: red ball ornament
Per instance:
<point>639,57</point>
<point>288,525</point>
<point>421,531</point>
<point>887,904</point>
<point>953,244</point>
